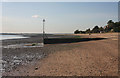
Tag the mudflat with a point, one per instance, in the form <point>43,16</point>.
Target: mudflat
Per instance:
<point>88,58</point>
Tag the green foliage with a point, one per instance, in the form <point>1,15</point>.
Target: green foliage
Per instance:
<point>33,44</point>
<point>88,30</point>
<point>79,32</point>
<point>96,30</point>
<point>110,22</point>
<point>115,27</point>
<point>110,27</point>
<point>101,29</point>
<point>76,32</point>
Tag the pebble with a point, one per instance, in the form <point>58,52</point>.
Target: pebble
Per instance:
<point>36,68</point>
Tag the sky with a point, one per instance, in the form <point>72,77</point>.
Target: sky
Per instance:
<point>61,17</point>
<point>59,0</point>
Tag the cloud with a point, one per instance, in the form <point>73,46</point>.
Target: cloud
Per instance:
<point>35,16</point>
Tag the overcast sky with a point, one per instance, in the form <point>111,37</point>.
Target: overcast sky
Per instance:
<point>61,17</point>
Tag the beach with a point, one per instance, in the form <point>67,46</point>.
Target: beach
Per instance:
<point>86,58</point>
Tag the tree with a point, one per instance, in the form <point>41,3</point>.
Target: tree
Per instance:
<point>101,29</point>
<point>76,31</point>
<point>109,22</point>
<point>82,32</point>
<point>88,30</point>
<point>96,30</point>
<point>110,27</point>
<point>116,29</point>
<point>117,24</point>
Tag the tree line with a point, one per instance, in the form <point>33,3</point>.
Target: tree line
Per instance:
<point>110,27</point>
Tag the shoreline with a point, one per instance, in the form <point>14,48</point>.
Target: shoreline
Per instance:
<point>15,57</point>
<point>55,56</point>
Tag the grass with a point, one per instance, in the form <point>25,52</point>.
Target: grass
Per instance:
<point>34,44</point>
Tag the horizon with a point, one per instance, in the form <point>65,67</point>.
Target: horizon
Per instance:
<point>61,17</point>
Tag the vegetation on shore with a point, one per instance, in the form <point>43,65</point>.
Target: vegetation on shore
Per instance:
<point>110,27</point>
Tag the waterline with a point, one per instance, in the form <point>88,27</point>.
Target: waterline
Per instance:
<point>4,37</point>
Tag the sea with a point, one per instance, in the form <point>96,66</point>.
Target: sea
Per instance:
<point>4,37</point>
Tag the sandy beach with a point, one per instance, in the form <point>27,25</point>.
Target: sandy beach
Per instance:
<point>87,58</point>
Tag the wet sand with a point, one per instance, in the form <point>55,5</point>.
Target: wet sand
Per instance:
<point>14,58</point>
<point>89,58</point>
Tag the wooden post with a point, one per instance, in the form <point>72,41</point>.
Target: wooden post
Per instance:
<point>43,29</point>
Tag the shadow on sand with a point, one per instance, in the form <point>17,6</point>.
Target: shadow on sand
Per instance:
<point>68,40</point>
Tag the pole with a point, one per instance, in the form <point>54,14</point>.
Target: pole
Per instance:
<point>43,29</point>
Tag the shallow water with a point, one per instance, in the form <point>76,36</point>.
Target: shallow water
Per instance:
<point>4,37</point>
